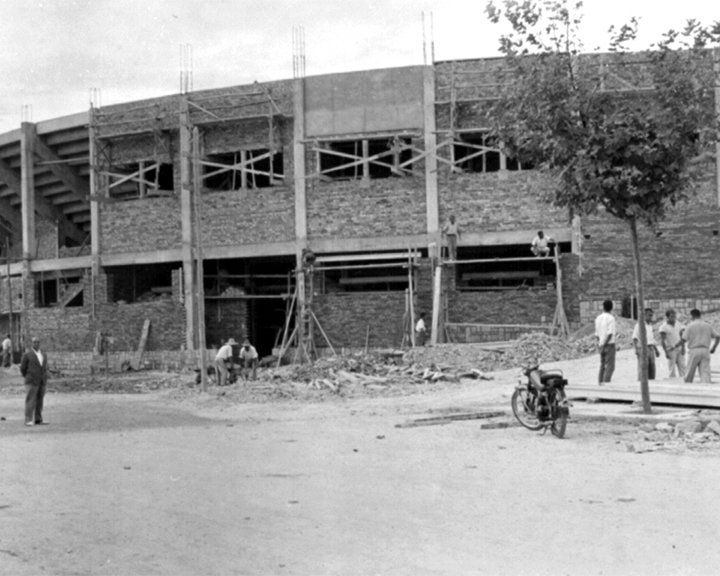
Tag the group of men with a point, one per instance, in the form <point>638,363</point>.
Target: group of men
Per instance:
<point>698,337</point>
<point>224,361</point>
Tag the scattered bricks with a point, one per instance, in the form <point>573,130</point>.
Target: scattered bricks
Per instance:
<point>665,427</point>
<point>713,426</point>
<point>688,427</point>
<point>647,427</point>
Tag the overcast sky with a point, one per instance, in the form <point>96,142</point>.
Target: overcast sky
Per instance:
<point>53,51</point>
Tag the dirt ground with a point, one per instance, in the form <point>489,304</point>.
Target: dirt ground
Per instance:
<point>173,481</point>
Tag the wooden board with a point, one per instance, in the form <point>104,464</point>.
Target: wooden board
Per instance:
<point>674,393</point>
<point>143,343</point>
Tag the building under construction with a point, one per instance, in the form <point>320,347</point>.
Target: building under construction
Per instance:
<point>166,226</point>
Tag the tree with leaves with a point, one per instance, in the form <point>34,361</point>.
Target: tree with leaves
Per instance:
<point>629,147</point>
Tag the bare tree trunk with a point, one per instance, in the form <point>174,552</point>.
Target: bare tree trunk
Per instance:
<point>643,357</point>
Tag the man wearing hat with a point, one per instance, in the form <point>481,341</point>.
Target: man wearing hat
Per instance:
<point>225,354</point>
<point>249,357</point>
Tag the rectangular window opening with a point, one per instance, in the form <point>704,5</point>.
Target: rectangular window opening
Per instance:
<point>145,178</point>
<point>366,158</point>
<point>257,168</point>
<point>477,152</point>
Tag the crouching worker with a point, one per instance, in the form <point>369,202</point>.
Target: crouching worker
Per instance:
<point>222,358</point>
<point>249,358</point>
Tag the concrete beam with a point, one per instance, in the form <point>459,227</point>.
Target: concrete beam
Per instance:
<point>55,264</point>
<point>132,258</point>
<point>369,244</point>
<point>15,270</point>
<point>63,172</point>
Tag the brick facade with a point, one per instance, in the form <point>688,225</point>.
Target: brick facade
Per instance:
<point>248,216</point>
<point>143,225</point>
<point>345,318</point>
<point>356,209</point>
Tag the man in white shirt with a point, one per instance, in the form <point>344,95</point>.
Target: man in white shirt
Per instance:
<point>224,355</point>
<point>249,358</point>
<point>540,244</point>
<point>420,331</point>
<point>670,333</point>
<point>605,333</point>
<point>652,351</point>
<point>6,352</point>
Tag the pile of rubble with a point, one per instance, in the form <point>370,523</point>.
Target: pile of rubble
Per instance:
<point>700,432</point>
<point>371,371</point>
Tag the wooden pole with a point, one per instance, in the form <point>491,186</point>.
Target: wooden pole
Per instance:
<point>325,335</point>
<point>411,294</point>
<point>285,340</point>
<point>9,291</point>
<point>436,306</point>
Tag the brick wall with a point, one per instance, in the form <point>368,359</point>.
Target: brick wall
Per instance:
<point>504,307</point>
<point>143,225</point>
<point>225,318</point>
<point>61,329</point>
<point>248,216</point>
<point>16,294</point>
<point>498,201</point>
<point>589,309</point>
<point>124,322</point>
<point>345,318</point>
<point>351,209</point>
<point>46,233</point>
<point>680,263</point>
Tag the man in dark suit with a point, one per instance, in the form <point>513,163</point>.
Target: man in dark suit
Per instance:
<point>34,368</point>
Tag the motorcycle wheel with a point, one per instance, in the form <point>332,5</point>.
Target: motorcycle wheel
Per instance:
<point>560,423</point>
<point>524,415</point>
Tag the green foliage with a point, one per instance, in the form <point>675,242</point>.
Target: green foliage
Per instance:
<point>618,130</point>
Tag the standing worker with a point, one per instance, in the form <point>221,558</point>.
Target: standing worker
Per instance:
<point>652,352</point>
<point>224,355</point>
<point>34,368</point>
<point>605,332</point>
<point>699,335</point>
<point>670,333</point>
<point>452,233</point>
<point>7,352</point>
<point>249,358</point>
<point>420,331</point>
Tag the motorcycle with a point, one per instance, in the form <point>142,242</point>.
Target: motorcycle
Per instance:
<point>539,401</point>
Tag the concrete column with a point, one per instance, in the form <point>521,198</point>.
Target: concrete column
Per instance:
<point>431,180</point>
<point>27,183</point>
<point>299,175</point>
<point>186,217</point>
<point>95,192</point>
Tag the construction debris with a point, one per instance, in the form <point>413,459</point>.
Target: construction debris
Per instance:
<point>701,431</point>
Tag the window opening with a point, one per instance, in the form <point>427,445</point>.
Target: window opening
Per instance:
<point>366,158</point>
<point>478,152</point>
<point>140,179</point>
<point>243,170</point>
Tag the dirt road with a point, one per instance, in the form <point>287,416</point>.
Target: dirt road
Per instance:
<point>142,484</point>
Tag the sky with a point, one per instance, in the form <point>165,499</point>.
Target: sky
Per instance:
<point>52,52</point>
